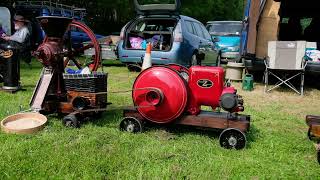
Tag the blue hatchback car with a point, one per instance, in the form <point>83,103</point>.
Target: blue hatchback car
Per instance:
<point>228,35</point>
<point>175,38</point>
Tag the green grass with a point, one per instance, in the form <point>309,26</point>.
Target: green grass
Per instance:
<point>277,147</point>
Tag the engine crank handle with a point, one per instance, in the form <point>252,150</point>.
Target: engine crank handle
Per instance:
<point>125,91</point>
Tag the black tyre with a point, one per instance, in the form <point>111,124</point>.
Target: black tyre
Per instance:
<point>194,61</point>
<point>318,156</point>
<point>71,121</point>
<point>309,134</point>
<point>232,139</point>
<point>218,62</point>
<point>131,124</point>
<point>134,67</point>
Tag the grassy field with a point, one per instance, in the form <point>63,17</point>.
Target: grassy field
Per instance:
<point>278,146</point>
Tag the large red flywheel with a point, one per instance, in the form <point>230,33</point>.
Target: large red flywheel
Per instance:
<point>95,60</point>
<point>72,55</point>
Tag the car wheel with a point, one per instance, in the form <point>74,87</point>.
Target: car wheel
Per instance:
<point>134,67</point>
<point>218,62</point>
<point>194,60</point>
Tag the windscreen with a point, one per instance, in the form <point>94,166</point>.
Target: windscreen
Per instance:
<point>225,28</point>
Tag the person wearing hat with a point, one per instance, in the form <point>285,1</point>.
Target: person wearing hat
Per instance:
<point>22,31</point>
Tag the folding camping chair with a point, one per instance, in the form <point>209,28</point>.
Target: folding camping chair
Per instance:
<point>285,62</point>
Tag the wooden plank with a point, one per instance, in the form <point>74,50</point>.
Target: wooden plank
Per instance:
<point>214,121</point>
<point>41,90</point>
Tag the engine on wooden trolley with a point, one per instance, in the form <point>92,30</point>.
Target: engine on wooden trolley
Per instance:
<point>173,94</point>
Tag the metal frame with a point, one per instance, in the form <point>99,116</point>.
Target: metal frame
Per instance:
<point>51,6</point>
<point>284,79</point>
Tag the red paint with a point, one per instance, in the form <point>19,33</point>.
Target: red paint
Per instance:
<point>170,84</point>
<point>169,95</point>
<point>207,96</point>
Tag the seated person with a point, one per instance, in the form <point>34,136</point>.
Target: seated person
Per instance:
<point>20,39</point>
<point>22,32</point>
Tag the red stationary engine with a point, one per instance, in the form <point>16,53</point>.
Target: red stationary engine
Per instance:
<point>174,94</point>
<point>164,94</point>
<point>206,85</point>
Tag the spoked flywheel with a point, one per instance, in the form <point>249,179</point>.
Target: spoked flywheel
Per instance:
<point>232,139</point>
<point>74,48</point>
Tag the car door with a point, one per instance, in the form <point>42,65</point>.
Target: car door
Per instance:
<point>207,53</point>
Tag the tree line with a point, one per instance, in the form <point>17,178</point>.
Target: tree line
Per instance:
<point>107,16</point>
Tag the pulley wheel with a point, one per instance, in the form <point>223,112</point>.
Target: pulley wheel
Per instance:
<point>160,94</point>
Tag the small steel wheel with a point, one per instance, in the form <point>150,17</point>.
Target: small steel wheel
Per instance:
<point>318,156</point>
<point>310,136</point>
<point>232,139</point>
<point>71,121</point>
<point>131,124</point>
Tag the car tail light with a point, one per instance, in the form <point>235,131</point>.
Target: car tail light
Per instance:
<point>177,34</point>
<point>122,32</point>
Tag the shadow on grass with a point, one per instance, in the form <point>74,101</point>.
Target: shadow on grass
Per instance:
<point>112,63</point>
<point>252,135</point>
<point>182,130</point>
<point>108,118</point>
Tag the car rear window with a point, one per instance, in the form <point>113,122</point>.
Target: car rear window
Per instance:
<point>198,29</point>
<point>205,32</point>
<point>155,25</point>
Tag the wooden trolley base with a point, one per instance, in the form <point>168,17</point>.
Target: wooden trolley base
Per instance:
<point>314,131</point>
<point>206,119</point>
<point>233,126</point>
